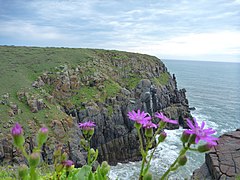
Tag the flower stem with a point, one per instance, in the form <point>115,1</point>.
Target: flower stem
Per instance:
<point>143,153</point>
<point>88,154</point>
<point>24,152</point>
<point>33,174</point>
<point>172,167</point>
<point>151,155</point>
<point>161,126</point>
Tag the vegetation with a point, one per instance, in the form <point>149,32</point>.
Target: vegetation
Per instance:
<point>101,73</point>
<point>21,66</point>
<point>163,79</point>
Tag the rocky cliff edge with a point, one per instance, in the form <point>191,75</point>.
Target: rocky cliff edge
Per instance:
<point>101,88</point>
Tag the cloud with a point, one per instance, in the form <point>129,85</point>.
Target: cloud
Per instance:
<point>28,31</point>
<point>195,46</point>
<point>181,29</point>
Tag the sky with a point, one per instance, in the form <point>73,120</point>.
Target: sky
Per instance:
<point>169,29</point>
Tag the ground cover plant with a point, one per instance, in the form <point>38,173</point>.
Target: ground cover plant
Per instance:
<point>64,168</point>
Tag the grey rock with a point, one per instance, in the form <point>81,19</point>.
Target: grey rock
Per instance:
<point>115,136</point>
<point>223,161</point>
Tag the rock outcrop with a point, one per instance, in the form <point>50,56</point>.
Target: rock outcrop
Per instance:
<point>223,161</point>
<point>104,90</point>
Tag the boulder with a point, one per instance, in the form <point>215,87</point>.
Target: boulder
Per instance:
<point>223,161</point>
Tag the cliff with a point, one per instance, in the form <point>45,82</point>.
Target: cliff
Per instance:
<point>60,87</point>
<point>223,161</point>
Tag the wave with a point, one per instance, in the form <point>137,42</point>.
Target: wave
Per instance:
<point>164,156</point>
<point>168,151</point>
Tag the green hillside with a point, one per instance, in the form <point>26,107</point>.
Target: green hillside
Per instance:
<point>102,74</point>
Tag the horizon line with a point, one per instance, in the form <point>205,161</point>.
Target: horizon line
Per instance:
<point>207,60</point>
<point>167,59</point>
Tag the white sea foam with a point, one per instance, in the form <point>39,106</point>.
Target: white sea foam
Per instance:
<point>206,118</point>
<point>164,156</point>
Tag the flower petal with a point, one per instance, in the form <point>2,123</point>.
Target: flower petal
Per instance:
<point>190,124</point>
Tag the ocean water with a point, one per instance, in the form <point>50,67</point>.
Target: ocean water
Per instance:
<point>213,88</point>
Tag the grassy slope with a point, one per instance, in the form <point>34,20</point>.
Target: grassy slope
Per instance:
<point>20,66</point>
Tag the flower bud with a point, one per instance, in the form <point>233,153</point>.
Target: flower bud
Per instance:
<point>204,148</point>
<point>192,139</point>
<point>182,160</point>
<point>137,125</point>
<point>162,136</point>
<point>42,136</point>
<point>185,137</point>
<point>92,152</point>
<point>18,140</point>
<point>147,176</point>
<point>34,159</point>
<point>149,132</point>
<point>91,131</point>
<point>17,133</point>
<point>105,168</point>
<point>85,131</point>
<point>162,124</point>
<point>23,172</point>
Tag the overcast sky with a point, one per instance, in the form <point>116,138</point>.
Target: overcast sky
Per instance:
<point>169,29</point>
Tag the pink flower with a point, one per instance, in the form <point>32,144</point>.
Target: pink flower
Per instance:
<point>67,163</point>
<point>165,119</point>
<point>87,125</point>
<point>43,130</point>
<point>201,133</point>
<point>139,117</point>
<point>149,125</point>
<point>17,130</point>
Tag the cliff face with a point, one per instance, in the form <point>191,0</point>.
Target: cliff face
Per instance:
<point>102,88</point>
<point>223,161</point>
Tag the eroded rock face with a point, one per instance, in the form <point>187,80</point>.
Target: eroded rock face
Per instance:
<point>223,161</point>
<point>142,82</point>
<point>115,136</point>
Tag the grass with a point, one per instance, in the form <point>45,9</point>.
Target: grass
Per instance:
<point>21,66</point>
<point>111,88</point>
<point>132,81</point>
<point>85,94</point>
<point>163,79</point>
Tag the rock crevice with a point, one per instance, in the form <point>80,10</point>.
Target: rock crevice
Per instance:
<point>223,161</point>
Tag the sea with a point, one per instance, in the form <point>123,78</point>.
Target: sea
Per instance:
<point>213,88</point>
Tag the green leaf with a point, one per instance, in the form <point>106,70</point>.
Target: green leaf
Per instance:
<point>98,175</point>
<point>83,173</point>
<point>91,176</point>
